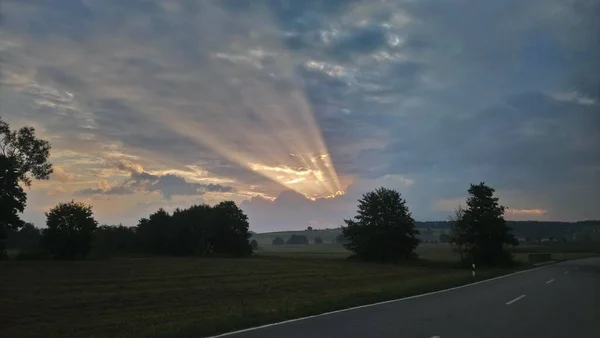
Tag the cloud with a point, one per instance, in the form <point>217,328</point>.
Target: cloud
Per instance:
<point>168,185</point>
<point>535,212</point>
<point>290,210</point>
<point>61,175</point>
<point>573,97</point>
<point>166,98</point>
<point>128,166</point>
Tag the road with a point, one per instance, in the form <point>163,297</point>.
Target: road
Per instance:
<point>559,300</point>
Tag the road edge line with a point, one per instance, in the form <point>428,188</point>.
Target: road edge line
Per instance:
<point>382,303</point>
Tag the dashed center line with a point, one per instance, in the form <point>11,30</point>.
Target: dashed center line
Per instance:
<point>550,281</point>
<point>516,299</point>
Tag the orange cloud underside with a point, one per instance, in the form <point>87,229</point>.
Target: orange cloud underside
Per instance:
<point>536,212</point>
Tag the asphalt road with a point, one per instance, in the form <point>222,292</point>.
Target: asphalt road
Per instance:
<point>559,300</point>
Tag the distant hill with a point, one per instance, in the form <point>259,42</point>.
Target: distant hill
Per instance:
<point>524,229</point>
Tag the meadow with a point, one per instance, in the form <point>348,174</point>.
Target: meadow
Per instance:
<point>181,297</point>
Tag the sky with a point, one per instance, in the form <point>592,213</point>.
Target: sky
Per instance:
<point>294,109</point>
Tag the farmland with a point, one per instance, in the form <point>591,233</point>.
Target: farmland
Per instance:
<point>167,296</point>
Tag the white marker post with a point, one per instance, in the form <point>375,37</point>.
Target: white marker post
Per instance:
<point>473,271</point>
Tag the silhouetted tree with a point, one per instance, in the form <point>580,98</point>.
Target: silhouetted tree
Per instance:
<point>278,241</point>
<point>384,229</point>
<point>254,244</point>
<point>69,231</point>
<point>480,232</point>
<point>12,196</point>
<point>22,158</point>
<point>318,240</point>
<point>115,239</point>
<point>28,238</point>
<point>297,239</point>
<point>191,231</point>
<point>153,233</point>
<point>198,230</point>
<point>4,234</point>
<point>28,155</point>
<point>309,228</point>
<point>232,236</point>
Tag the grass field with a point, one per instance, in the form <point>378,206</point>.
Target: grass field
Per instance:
<point>165,296</point>
<point>327,235</point>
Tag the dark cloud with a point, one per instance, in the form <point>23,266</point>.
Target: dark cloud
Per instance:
<point>441,93</point>
<point>168,185</point>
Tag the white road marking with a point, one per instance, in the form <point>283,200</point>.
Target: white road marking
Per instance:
<point>566,272</point>
<point>550,281</point>
<point>435,336</point>
<point>516,299</point>
<point>380,303</point>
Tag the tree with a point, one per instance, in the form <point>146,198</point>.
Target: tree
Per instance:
<point>28,238</point>
<point>231,230</point>
<point>199,230</point>
<point>22,156</point>
<point>278,241</point>
<point>383,230</point>
<point>69,231</point>
<point>13,198</point>
<point>115,239</point>
<point>297,240</point>
<point>153,232</point>
<point>28,154</point>
<point>254,244</point>
<point>480,232</point>
<point>309,228</point>
<point>318,240</point>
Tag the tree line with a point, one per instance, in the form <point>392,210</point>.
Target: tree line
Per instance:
<point>533,230</point>
<point>383,229</point>
<point>72,231</point>
<point>201,230</point>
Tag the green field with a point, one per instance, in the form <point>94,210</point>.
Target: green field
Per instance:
<point>433,252</point>
<point>327,235</point>
<point>167,296</point>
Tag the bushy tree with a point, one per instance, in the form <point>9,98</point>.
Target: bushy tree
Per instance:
<point>22,157</point>
<point>297,240</point>
<point>153,233</point>
<point>199,230</point>
<point>115,239</point>
<point>13,198</point>
<point>69,231</point>
<point>479,232</point>
<point>28,154</point>
<point>318,240</point>
<point>383,230</point>
<point>28,238</point>
<point>278,241</point>
<point>232,236</point>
